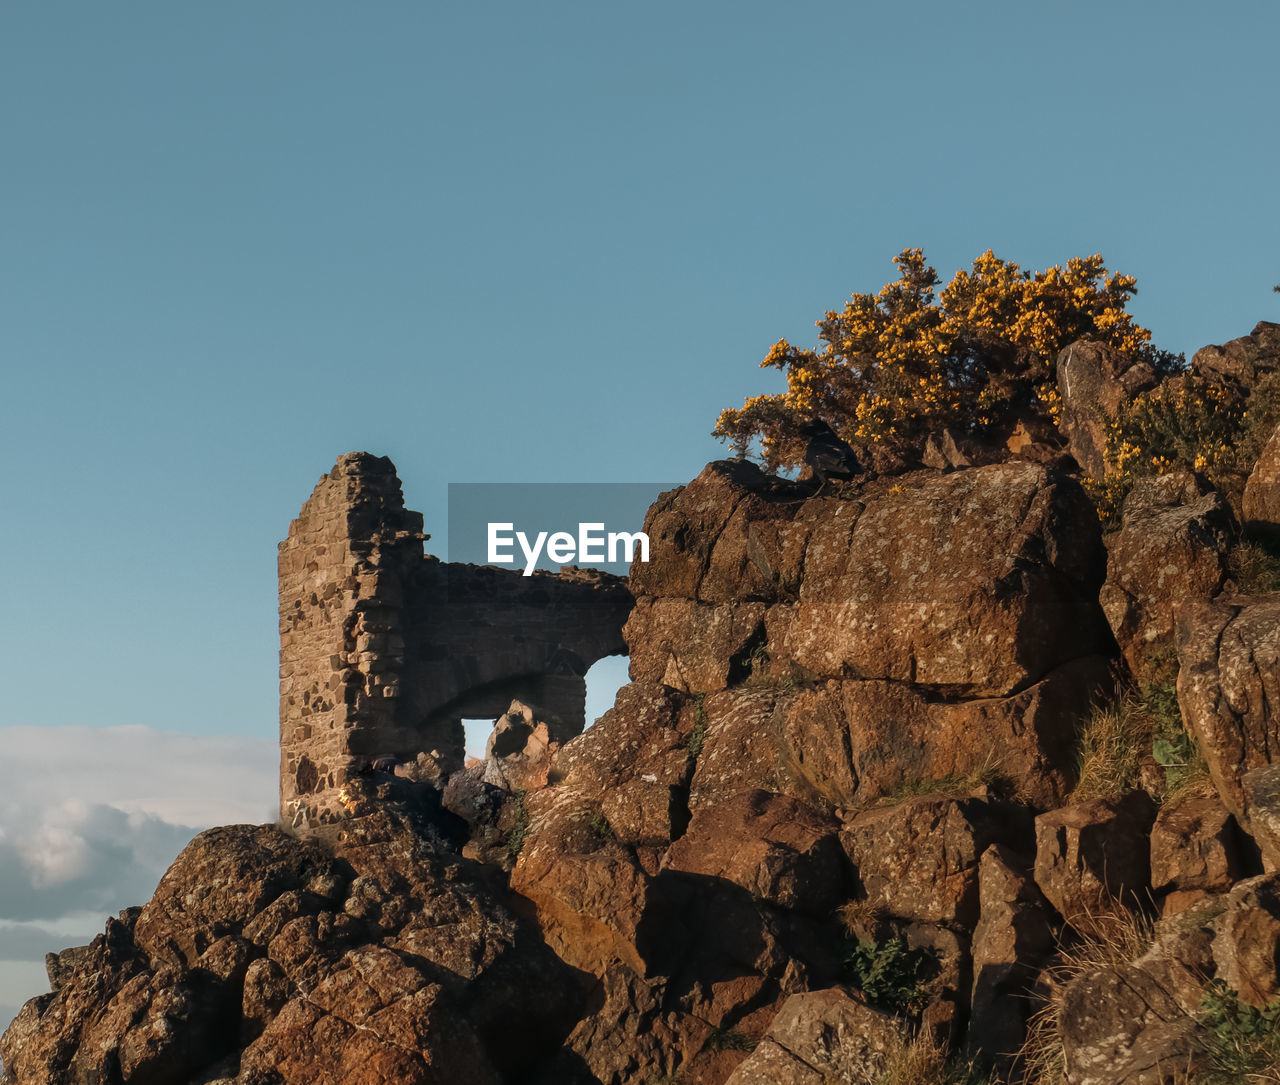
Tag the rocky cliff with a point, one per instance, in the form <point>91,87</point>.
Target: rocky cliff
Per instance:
<point>902,773</point>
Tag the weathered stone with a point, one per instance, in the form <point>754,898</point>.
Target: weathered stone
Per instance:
<point>160,1027</point>
<point>1120,1026</point>
<point>771,845</point>
<point>822,1036</point>
<point>1013,937</point>
<point>918,859</point>
<point>1193,846</point>
<point>61,966</point>
<point>1262,796</point>
<point>1095,856</point>
<point>1241,362</point>
<point>857,741</point>
<point>942,574</point>
<point>629,1037</point>
<point>1260,508</point>
<point>929,580</point>
<point>519,752</point>
<point>642,733</point>
<point>1094,381</point>
<point>599,908</point>
<point>1171,546</point>
<point>719,539</point>
<point>240,870</point>
<point>1228,687</point>
<point>693,647</point>
<point>1246,939</point>
<point>738,736</point>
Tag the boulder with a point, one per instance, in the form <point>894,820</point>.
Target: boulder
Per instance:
<point>519,751</point>
<point>823,1036</point>
<point>716,540</point>
<point>599,908</point>
<point>691,646</point>
<point>1094,381</point>
<point>1094,856</point>
<point>1013,937</point>
<point>408,962</point>
<point>1194,846</point>
<point>738,735</point>
<point>918,860</point>
<point>859,741</point>
<point>1228,685</point>
<point>1262,796</point>
<point>1171,546</point>
<point>62,966</point>
<point>772,846</point>
<point>1261,503</point>
<point>1246,940</point>
<point>240,869</point>
<point>1121,1026</point>
<point>980,582</point>
<point>1240,363</point>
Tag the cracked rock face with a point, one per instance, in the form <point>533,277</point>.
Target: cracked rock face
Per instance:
<point>822,1036</point>
<point>1228,687</point>
<point>853,714</point>
<point>385,960</point>
<point>1171,546</point>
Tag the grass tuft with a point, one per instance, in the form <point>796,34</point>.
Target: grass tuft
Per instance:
<point>1255,566</point>
<point>1110,941</point>
<point>923,1061</point>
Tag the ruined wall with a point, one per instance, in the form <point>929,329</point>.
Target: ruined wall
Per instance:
<point>383,651</point>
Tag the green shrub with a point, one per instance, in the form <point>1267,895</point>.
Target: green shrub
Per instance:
<point>600,827</point>
<point>727,1039</point>
<point>1243,1041</point>
<point>699,733</point>
<point>890,973</point>
<point>515,839</point>
<point>1173,749</point>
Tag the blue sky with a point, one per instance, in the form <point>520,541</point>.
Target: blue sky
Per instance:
<point>516,242</point>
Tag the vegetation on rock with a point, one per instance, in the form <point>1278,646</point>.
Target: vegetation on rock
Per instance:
<point>901,364</point>
<point>1243,1040</point>
<point>890,973</point>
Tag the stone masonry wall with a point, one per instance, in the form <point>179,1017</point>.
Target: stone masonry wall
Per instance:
<point>383,651</point>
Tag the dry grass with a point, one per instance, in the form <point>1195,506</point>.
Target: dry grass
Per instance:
<point>923,1062</point>
<point>1255,567</point>
<point>860,919</point>
<point>1113,941</point>
<point>1113,741</point>
<point>986,775</point>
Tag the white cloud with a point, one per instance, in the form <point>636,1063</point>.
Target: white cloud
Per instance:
<point>91,818</point>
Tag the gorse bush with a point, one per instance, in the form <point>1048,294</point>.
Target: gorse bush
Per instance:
<point>1188,423</point>
<point>1182,422</point>
<point>979,356</point>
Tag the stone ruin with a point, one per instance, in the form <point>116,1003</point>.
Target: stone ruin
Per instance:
<point>384,650</point>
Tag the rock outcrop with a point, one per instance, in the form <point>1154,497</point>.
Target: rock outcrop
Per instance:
<point>1171,547</point>
<point>827,827</point>
<point>1095,381</point>
<point>1228,685</point>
